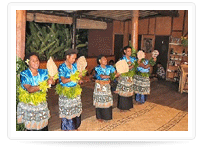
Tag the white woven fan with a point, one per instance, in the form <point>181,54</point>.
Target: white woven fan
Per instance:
<point>52,68</point>
<point>81,63</point>
<point>122,66</point>
<point>140,54</point>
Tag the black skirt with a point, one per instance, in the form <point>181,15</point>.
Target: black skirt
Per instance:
<point>104,113</point>
<point>125,103</point>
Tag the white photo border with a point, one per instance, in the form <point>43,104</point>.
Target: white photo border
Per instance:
<point>101,135</point>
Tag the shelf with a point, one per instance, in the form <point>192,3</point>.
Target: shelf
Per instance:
<point>178,55</point>
<point>174,60</point>
<point>172,71</point>
<point>170,79</point>
<point>173,65</point>
<point>175,44</point>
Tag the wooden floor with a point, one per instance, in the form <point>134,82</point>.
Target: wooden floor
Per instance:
<point>164,94</point>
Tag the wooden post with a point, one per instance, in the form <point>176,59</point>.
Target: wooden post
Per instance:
<point>74,32</point>
<point>20,33</point>
<point>134,31</point>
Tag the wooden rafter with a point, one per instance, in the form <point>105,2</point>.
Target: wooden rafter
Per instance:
<point>108,15</point>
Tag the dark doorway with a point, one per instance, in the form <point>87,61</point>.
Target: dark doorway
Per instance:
<point>162,44</point>
<point>118,46</point>
<point>139,41</point>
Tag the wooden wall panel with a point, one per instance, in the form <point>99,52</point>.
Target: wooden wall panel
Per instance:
<point>163,26</point>
<point>143,26</point>
<point>178,21</point>
<point>118,27</point>
<point>129,27</point>
<point>152,26</point>
<point>177,34</point>
<point>126,34</point>
<point>100,41</point>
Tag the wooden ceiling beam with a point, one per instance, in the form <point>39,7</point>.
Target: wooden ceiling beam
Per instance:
<point>65,14</point>
<point>51,12</point>
<point>47,18</point>
<point>81,23</point>
<point>104,19</point>
<point>84,11</point>
<point>172,13</point>
<point>108,15</point>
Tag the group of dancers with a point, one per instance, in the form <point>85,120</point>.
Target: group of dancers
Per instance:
<point>32,109</point>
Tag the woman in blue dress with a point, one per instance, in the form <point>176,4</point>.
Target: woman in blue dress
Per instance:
<point>32,109</point>
<point>142,81</point>
<point>102,96</point>
<point>125,83</point>
<point>70,106</point>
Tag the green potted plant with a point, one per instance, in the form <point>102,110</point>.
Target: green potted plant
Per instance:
<point>184,41</point>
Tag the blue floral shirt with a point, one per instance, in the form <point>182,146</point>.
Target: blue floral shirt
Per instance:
<point>64,71</point>
<point>132,59</point>
<point>141,69</point>
<point>103,71</point>
<point>26,77</point>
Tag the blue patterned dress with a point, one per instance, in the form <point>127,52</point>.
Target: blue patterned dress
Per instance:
<point>132,59</point>
<point>26,77</point>
<point>70,109</point>
<point>142,83</point>
<point>102,96</point>
<point>34,117</point>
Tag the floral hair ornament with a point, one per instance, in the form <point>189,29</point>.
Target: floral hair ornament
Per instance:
<point>27,61</point>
